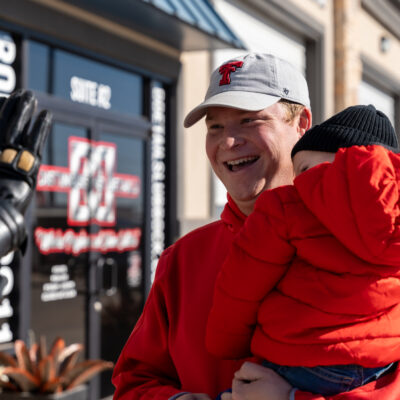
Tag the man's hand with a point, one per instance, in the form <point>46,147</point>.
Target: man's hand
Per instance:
<point>255,382</point>
<point>20,154</point>
<point>194,396</point>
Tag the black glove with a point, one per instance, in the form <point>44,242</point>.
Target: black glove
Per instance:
<point>20,155</point>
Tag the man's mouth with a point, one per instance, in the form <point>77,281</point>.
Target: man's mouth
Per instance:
<point>236,165</point>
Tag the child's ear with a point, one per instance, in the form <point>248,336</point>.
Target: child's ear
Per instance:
<point>305,121</point>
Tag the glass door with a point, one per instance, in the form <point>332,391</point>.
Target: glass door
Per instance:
<point>121,294</point>
<point>91,242</point>
<point>59,271</point>
<point>88,229</point>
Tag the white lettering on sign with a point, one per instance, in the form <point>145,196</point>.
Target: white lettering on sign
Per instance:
<point>90,92</point>
<point>6,310</point>
<point>60,286</point>
<point>7,79</point>
<point>8,53</point>
<point>71,242</point>
<point>5,333</point>
<point>90,181</point>
<point>157,176</point>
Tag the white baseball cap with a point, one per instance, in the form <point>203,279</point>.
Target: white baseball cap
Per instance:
<point>252,82</point>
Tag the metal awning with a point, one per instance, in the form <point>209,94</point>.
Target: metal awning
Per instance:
<point>183,24</point>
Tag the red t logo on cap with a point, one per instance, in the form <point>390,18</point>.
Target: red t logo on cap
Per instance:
<point>226,69</point>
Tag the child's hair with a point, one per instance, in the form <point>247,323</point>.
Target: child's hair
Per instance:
<point>357,125</point>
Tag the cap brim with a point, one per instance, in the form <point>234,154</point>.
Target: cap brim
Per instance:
<point>249,101</point>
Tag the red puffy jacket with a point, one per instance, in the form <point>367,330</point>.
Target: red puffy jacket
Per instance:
<point>313,277</point>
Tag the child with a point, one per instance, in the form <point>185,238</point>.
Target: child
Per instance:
<point>312,281</point>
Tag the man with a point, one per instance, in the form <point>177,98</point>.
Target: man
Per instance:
<point>256,108</point>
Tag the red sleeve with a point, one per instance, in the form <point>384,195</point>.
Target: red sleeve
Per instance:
<point>357,199</point>
<point>256,261</point>
<point>144,369</point>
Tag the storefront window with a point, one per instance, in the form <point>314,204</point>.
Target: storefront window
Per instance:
<point>88,82</point>
<point>97,222</point>
<point>38,73</point>
<point>130,159</point>
<point>88,225</point>
<point>83,81</point>
<point>122,295</point>
<point>56,153</point>
<point>90,217</point>
<point>370,94</point>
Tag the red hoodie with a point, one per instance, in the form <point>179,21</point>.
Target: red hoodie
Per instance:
<point>166,354</point>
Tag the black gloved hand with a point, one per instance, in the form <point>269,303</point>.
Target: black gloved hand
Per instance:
<point>20,155</point>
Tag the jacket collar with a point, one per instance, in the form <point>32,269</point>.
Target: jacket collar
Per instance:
<point>232,216</point>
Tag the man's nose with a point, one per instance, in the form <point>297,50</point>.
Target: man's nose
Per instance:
<point>231,139</point>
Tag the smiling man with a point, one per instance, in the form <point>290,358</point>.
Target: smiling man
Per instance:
<point>250,150</point>
<point>257,107</point>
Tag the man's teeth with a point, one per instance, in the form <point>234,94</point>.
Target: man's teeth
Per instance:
<point>241,161</point>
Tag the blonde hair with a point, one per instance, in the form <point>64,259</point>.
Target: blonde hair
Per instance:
<point>292,109</point>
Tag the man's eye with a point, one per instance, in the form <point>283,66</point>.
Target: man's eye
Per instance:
<point>247,120</point>
<point>214,128</point>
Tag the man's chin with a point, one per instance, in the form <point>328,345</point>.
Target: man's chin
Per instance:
<point>245,204</point>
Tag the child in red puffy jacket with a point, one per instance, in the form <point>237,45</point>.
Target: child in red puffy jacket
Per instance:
<point>312,282</point>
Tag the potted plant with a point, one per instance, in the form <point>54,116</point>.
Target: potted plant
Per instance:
<point>33,373</point>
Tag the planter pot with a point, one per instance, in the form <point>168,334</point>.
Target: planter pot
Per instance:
<point>78,393</point>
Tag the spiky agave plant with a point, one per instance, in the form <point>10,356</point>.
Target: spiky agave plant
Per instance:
<point>35,370</point>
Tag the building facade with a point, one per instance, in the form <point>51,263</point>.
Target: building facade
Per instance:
<point>348,50</point>
<point>121,179</point>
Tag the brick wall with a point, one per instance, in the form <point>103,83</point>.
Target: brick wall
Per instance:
<point>348,67</point>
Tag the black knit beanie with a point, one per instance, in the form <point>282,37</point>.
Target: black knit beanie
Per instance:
<point>356,125</point>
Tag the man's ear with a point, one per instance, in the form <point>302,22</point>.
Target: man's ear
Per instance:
<point>305,121</point>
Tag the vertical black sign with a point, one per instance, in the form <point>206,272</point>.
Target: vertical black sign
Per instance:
<point>8,63</point>
<point>9,264</point>
<point>158,104</point>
